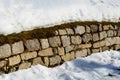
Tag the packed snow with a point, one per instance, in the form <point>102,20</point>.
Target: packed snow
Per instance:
<point>100,66</point>
<point>22,15</point>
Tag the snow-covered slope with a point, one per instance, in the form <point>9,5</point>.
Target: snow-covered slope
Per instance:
<point>21,15</point>
<point>100,66</point>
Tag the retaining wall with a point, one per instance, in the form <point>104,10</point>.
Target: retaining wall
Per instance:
<point>67,44</point>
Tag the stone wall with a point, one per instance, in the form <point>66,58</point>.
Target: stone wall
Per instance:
<point>67,44</point>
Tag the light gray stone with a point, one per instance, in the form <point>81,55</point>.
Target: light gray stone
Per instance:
<point>28,55</point>
<point>44,43</point>
<point>24,65</point>
<point>69,31</point>
<point>65,40</point>
<point>17,47</point>
<point>46,52</point>
<point>32,45</point>
<point>110,33</point>
<point>94,28</point>
<point>76,39</point>
<point>95,37</point>
<point>103,35</point>
<point>88,29</point>
<point>54,41</point>
<point>87,37</point>
<point>5,51</point>
<point>81,53</point>
<point>38,60</point>
<point>14,60</point>
<point>80,30</point>
<point>61,51</point>
<point>55,60</point>
<point>69,48</point>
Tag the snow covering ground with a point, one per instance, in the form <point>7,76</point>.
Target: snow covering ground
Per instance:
<point>21,15</point>
<point>100,66</point>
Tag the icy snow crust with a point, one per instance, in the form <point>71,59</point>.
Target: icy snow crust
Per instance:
<point>22,15</point>
<point>100,66</point>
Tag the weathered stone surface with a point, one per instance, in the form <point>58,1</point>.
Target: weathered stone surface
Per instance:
<point>28,55</point>
<point>65,40</point>
<point>68,56</point>
<point>5,51</point>
<point>3,63</point>
<point>69,48</point>
<point>46,61</point>
<point>95,50</point>
<point>14,60</point>
<point>88,29</point>
<point>80,30</point>
<point>44,43</point>
<point>105,48</point>
<point>107,27</point>
<point>32,45</point>
<point>69,31</point>
<point>94,28</point>
<point>103,35</point>
<point>38,60</point>
<point>100,27</point>
<point>89,52</point>
<point>117,47</point>
<point>110,33</point>
<point>54,41</point>
<point>95,37</point>
<point>110,41</point>
<point>99,44</point>
<point>55,60</point>
<point>82,46</point>
<point>117,40</point>
<point>62,32</point>
<point>76,39</point>
<point>115,33</point>
<point>61,51</point>
<point>55,50</point>
<point>81,53</point>
<point>24,65</point>
<point>56,33</point>
<point>87,37</point>
<point>46,52</point>
<point>17,47</point>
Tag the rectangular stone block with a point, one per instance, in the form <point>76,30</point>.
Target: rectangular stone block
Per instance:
<point>38,60</point>
<point>55,60</point>
<point>17,47</point>
<point>46,61</point>
<point>62,32</point>
<point>65,40</point>
<point>103,35</point>
<point>81,53</point>
<point>88,29</point>
<point>46,52</point>
<point>99,44</point>
<point>69,48</point>
<point>32,45</point>
<point>61,51</point>
<point>54,41</point>
<point>87,37</point>
<point>82,46</point>
<point>110,33</point>
<point>14,60</point>
<point>76,39</point>
<point>44,43</point>
<point>94,28</point>
<point>95,50</point>
<point>24,65</point>
<point>80,30</point>
<point>3,63</point>
<point>28,55</point>
<point>95,37</point>
<point>69,31</point>
<point>68,56</point>
<point>110,41</point>
<point>5,51</point>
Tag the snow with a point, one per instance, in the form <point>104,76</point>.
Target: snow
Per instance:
<point>100,66</point>
<point>22,15</point>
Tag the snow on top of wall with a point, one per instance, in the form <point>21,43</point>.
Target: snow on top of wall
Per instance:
<point>21,15</point>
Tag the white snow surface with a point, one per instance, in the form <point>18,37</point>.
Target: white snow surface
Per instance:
<point>100,66</point>
<point>22,15</point>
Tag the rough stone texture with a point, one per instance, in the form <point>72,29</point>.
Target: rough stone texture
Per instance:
<point>81,53</point>
<point>94,28</point>
<point>110,41</point>
<point>80,30</point>
<point>44,43</point>
<point>100,27</point>
<point>76,39</point>
<point>65,40</point>
<point>55,60</point>
<point>17,47</point>
<point>32,45</point>
<point>46,61</point>
<point>56,33</point>
<point>117,47</point>
<point>24,65</point>
<point>37,60</point>
<point>115,33</point>
<point>99,44</point>
<point>3,63</point>
<point>55,51</point>
<point>117,40</point>
<point>89,52</point>
<point>55,41</point>
<point>105,48</point>
<point>87,37</point>
<point>62,32</point>
<point>5,51</point>
<point>95,50</point>
<point>69,31</point>
<point>103,35</point>
<point>28,55</point>
<point>69,48</point>
<point>107,27</point>
<point>82,46</point>
<point>14,60</point>
<point>61,51</point>
<point>95,37</point>
<point>68,56</point>
<point>46,52</point>
<point>88,29</point>
<point>110,33</point>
